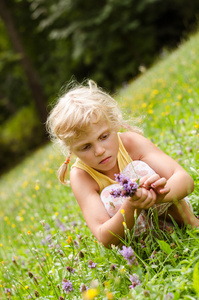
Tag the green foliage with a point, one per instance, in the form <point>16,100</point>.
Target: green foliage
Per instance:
<point>165,247</point>
<point>14,91</point>
<point>42,231</point>
<point>196,278</point>
<point>121,35</point>
<point>19,134</point>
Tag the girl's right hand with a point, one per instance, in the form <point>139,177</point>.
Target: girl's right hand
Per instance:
<point>143,198</point>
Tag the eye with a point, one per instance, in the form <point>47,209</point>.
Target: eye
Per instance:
<point>85,147</point>
<point>104,136</point>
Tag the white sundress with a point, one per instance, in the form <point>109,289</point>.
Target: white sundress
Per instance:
<point>136,169</point>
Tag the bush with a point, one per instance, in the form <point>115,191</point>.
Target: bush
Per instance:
<point>18,136</point>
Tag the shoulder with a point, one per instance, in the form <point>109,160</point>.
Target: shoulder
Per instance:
<point>81,179</point>
<point>135,144</point>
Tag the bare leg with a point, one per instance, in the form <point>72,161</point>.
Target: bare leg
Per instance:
<point>182,214</point>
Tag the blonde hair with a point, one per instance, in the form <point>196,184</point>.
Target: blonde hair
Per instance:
<point>76,110</point>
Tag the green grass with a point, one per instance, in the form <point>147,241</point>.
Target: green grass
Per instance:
<point>42,232</point>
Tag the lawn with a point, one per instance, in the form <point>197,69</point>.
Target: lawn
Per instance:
<point>46,249</point>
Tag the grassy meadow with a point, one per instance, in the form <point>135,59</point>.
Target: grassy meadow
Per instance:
<point>46,249</point>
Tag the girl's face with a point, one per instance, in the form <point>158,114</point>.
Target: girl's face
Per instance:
<point>98,148</point>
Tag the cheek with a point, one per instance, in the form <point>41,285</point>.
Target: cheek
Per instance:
<point>115,143</point>
<point>86,156</point>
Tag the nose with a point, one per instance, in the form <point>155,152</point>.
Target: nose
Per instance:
<point>99,150</point>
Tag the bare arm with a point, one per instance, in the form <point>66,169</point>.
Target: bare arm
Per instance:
<point>104,228</point>
<point>178,182</point>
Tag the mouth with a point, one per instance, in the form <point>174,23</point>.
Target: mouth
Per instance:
<point>106,160</point>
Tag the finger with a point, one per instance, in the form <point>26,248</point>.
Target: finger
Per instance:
<point>146,199</point>
<point>151,180</point>
<point>165,190</point>
<point>140,195</point>
<point>143,179</point>
<point>160,182</point>
<point>150,201</point>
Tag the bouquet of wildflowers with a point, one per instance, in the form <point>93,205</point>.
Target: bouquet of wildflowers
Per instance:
<point>127,189</point>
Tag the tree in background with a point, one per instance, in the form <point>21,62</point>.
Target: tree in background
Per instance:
<point>30,72</point>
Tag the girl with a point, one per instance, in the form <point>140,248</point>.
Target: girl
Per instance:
<point>86,121</point>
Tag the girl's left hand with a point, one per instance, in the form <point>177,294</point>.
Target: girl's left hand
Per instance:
<point>157,183</point>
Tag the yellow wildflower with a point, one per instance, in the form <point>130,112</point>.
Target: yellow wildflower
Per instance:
<point>122,211</point>
<point>150,111</point>
<point>135,213</point>
<point>37,187</point>
<point>196,125</point>
<point>24,184</point>
<point>109,295</point>
<point>155,92</point>
<point>22,212</point>
<point>90,294</point>
<point>69,239</point>
<point>144,105</point>
<point>122,269</point>
<point>29,232</point>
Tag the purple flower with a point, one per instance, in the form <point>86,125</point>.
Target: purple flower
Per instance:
<point>79,236</point>
<point>83,288</point>
<point>60,225</point>
<point>154,258</point>
<point>67,285</point>
<point>49,238</point>
<point>168,296</point>
<point>61,252</point>
<point>128,188</point>
<point>113,267</point>
<point>134,280</point>
<point>51,245</point>
<point>179,152</point>
<point>143,244</point>
<point>91,264</point>
<point>76,243</point>
<point>70,269</point>
<point>7,291</point>
<point>129,255</point>
<point>47,227</point>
